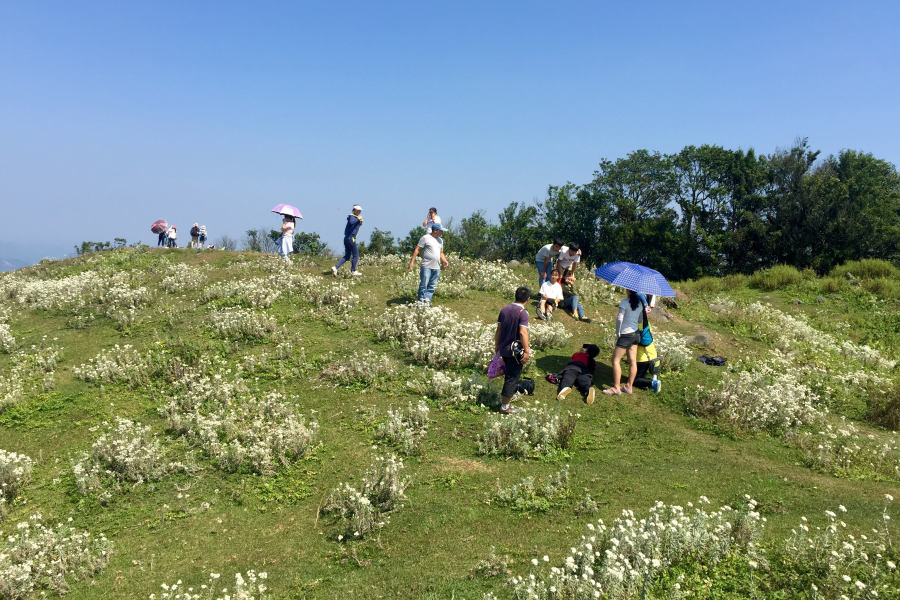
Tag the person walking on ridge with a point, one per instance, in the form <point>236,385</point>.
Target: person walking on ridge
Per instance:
<point>351,251</point>
<point>203,236</point>
<point>195,237</point>
<point>163,240</point>
<point>432,247</point>
<point>431,219</point>
<point>511,343</point>
<point>288,224</point>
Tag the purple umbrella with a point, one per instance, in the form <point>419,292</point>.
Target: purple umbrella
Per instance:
<point>287,210</point>
<point>159,226</point>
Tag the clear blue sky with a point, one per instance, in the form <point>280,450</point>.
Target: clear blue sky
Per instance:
<point>114,114</point>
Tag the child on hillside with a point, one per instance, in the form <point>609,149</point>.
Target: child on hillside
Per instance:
<point>551,294</point>
<point>579,373</point>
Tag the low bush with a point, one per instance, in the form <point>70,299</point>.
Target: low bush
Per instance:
<point>405,429</point>
<point>844,451</point>
<point>367,368</point>
<point>884,287</point>
<point>367,508</point>
<point>867,268</point>
<point>251,588</point>
<point>706,286</point>
<point>534,432</point>
<point>15,473</point>
<point>533,494</point>
<point>775,278</point>
<point>735,280</point>
<point>543,336</point>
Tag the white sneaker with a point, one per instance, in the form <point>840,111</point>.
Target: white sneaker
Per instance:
<point>356,273</point>
<point>563,393</point>
<point>334,271</point>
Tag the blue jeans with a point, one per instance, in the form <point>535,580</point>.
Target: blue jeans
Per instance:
<point>350,251</point>
<point>163,241</point>
<point>428,279</point>
<point>571,303</point>
<point>545,275</point>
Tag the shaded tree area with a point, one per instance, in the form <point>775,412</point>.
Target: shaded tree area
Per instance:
<point>705,210</point>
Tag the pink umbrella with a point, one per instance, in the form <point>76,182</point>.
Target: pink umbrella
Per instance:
<point>159,226</point>
<point>288,210</point>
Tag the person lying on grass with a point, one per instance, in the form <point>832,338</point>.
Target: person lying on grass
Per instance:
<point>579,373</point>
<point>628,324</point>
<point>551,294</point>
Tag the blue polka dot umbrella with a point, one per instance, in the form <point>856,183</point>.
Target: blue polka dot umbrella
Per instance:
<point>636,278</point>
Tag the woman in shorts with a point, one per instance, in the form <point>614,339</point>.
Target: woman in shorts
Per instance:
<point>628,324</point>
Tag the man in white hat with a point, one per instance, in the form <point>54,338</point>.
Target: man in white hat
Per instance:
<point>351,251</point>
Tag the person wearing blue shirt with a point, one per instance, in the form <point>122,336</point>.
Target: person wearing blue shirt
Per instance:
<point>351,251</point>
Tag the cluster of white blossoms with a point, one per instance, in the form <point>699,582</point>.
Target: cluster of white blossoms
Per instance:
<point>673,353</point>
<point>844,451</point>
<point>406,285</point>
<point>543,335</point>
<point>32,371</point>
<point>35,557</point>
<point>532,495</point>
<point>449,389</point>
<point>242,323</point>
<point>7,340</point>
<point>15,473</point>
<point>437,336</point>
<point>405,429</point>
<point>73,291</point>
<point>593,291</point>
<point>769,395</point>
<point>846,565</point>
<point>368,367</point>
<point>533,432</point>
<point>480,274</point>
<point>788,332</point>
<point>249,587</point>
<point>257,292</point>
<point>119,364</point>
<point>126,451</point>
<point>366,508</point>
<point>393,261</point>
<point>237,430</point>
<point>182,278</point>
<point>624,560</point>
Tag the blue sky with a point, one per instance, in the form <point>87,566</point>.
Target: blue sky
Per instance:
<point>114,114</point>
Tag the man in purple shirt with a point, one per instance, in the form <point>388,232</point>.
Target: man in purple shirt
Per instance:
<point>512,325</point>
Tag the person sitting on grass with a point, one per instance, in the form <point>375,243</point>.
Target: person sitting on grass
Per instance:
<point>551,293</point>
<point>647,364</point>
<point>570,297</point>
<point>628,326</point>
<point>579,373</point>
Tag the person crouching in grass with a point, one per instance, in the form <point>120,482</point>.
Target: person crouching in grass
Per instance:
<point>551,294</point>
<point>647,369</point>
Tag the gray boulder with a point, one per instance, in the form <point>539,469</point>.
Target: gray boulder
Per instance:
<point>513,263</point>
<point>658,316</point>
<point>820,299</point>
<point>798,301</point>
<point>849,276</point>
<point>717,307</point>
<point>701,339</point>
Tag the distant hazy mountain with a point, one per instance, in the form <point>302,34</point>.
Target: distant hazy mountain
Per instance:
<point>11,264</point>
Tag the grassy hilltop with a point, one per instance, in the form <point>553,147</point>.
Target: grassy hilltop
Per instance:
<point>221,412</point>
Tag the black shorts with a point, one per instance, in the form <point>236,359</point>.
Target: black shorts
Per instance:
<point>627,340</point>
<point>511,379</point>
<point>550,302</point>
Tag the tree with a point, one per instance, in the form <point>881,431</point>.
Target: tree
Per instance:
<point>120,242</point>
<point>474,237</point>
<point>408,244</point>
<point>520,232</point>
<point>310,244</point>
<point>380,242</point>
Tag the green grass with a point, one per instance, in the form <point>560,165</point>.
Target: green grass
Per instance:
<point>629,451</point>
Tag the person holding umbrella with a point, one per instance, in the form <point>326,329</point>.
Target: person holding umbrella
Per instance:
<point>163,239</point>
<point>351,251</point>
<point>159,227</point>
<point>630,331</point>
<point>288,224</point>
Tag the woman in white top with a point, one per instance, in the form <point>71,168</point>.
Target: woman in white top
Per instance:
<point>173,237</point>
<point>628,326</point>
<point>287,236</point>
<point>551,296</point>
<point>569,257</point>
<point>431,219</point>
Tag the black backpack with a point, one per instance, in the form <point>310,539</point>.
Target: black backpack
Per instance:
<point>526,386</point>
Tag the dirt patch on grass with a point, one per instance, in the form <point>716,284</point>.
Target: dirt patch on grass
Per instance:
<point>449,464</point>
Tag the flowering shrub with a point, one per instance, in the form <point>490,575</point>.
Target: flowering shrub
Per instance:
<point>835,563</point>
<point>126,451</point>
<point>405,429</point>
<point>624,559</point>
<point>366,509</point>
<point>37,557</point>
<point>542,336</point>
<point>15,473</point>
<point>73,291</point>
<point>182,278</point>
<point>251,588</point>
<point>238,431</point>
<point>593,291</point>
<point>533,432</point>
<point>436,336</point>
<point>118,364</point>
<point>844,451</point>
<point>122,295</point>
<point>671,350</point>
<point>453,390</point>
<point>32,371</point>
<point>533,495</point>
<point>393,261</point>
<point>761,398</point>
<point>367,368</point>
<point>480,274</point>
<point>7,341</point>
<point>240,323</point>
<point>255,293</point>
